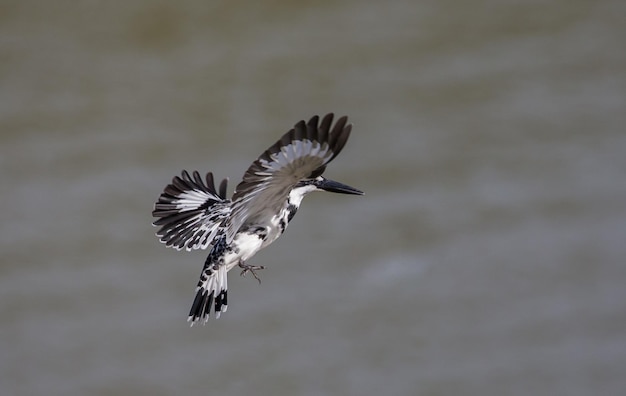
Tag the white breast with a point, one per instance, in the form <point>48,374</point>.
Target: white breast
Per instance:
<point>246,246</point>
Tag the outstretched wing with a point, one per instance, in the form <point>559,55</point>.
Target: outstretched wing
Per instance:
<point>301,152</point>
<point>191,213</point>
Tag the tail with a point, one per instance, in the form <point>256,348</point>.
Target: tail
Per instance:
<point>212,289</point>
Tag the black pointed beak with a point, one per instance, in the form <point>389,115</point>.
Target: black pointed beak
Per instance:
<point>336,187</point>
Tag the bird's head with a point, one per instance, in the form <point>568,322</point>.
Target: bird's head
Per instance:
<point>320,183</point>
<point>323,184</point>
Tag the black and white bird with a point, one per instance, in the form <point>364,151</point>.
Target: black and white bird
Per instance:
<point>193,214</point>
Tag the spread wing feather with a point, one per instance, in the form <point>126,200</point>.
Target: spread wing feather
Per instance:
<point>303,150</point>
<point>191,212</point>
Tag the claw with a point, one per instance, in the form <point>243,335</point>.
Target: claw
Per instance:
<point>252,269</point>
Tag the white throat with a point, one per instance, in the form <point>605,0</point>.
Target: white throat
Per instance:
<point>296,195</point>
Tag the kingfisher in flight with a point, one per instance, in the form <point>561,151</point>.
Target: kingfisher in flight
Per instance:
<point>193,214</point>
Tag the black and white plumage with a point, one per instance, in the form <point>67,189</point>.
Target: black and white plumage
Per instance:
<point>193,214</point>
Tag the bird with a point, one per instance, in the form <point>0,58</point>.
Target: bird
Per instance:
<point>193,214</point>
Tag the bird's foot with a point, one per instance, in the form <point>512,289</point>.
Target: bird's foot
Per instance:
<point>251,268</point>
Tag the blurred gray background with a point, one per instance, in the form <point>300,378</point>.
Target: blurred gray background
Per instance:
<point>488,256</point>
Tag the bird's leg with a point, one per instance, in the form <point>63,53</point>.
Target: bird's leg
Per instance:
<point>250,268</point>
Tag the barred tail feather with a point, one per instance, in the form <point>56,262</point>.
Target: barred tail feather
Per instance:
<point>212,290</point>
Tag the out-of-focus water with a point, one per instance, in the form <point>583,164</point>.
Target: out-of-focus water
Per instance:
<point>488,256</point>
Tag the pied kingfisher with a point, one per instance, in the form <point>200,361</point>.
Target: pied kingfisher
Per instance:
<point>193,214</point>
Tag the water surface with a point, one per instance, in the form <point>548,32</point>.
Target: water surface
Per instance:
<point>487,256</point>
